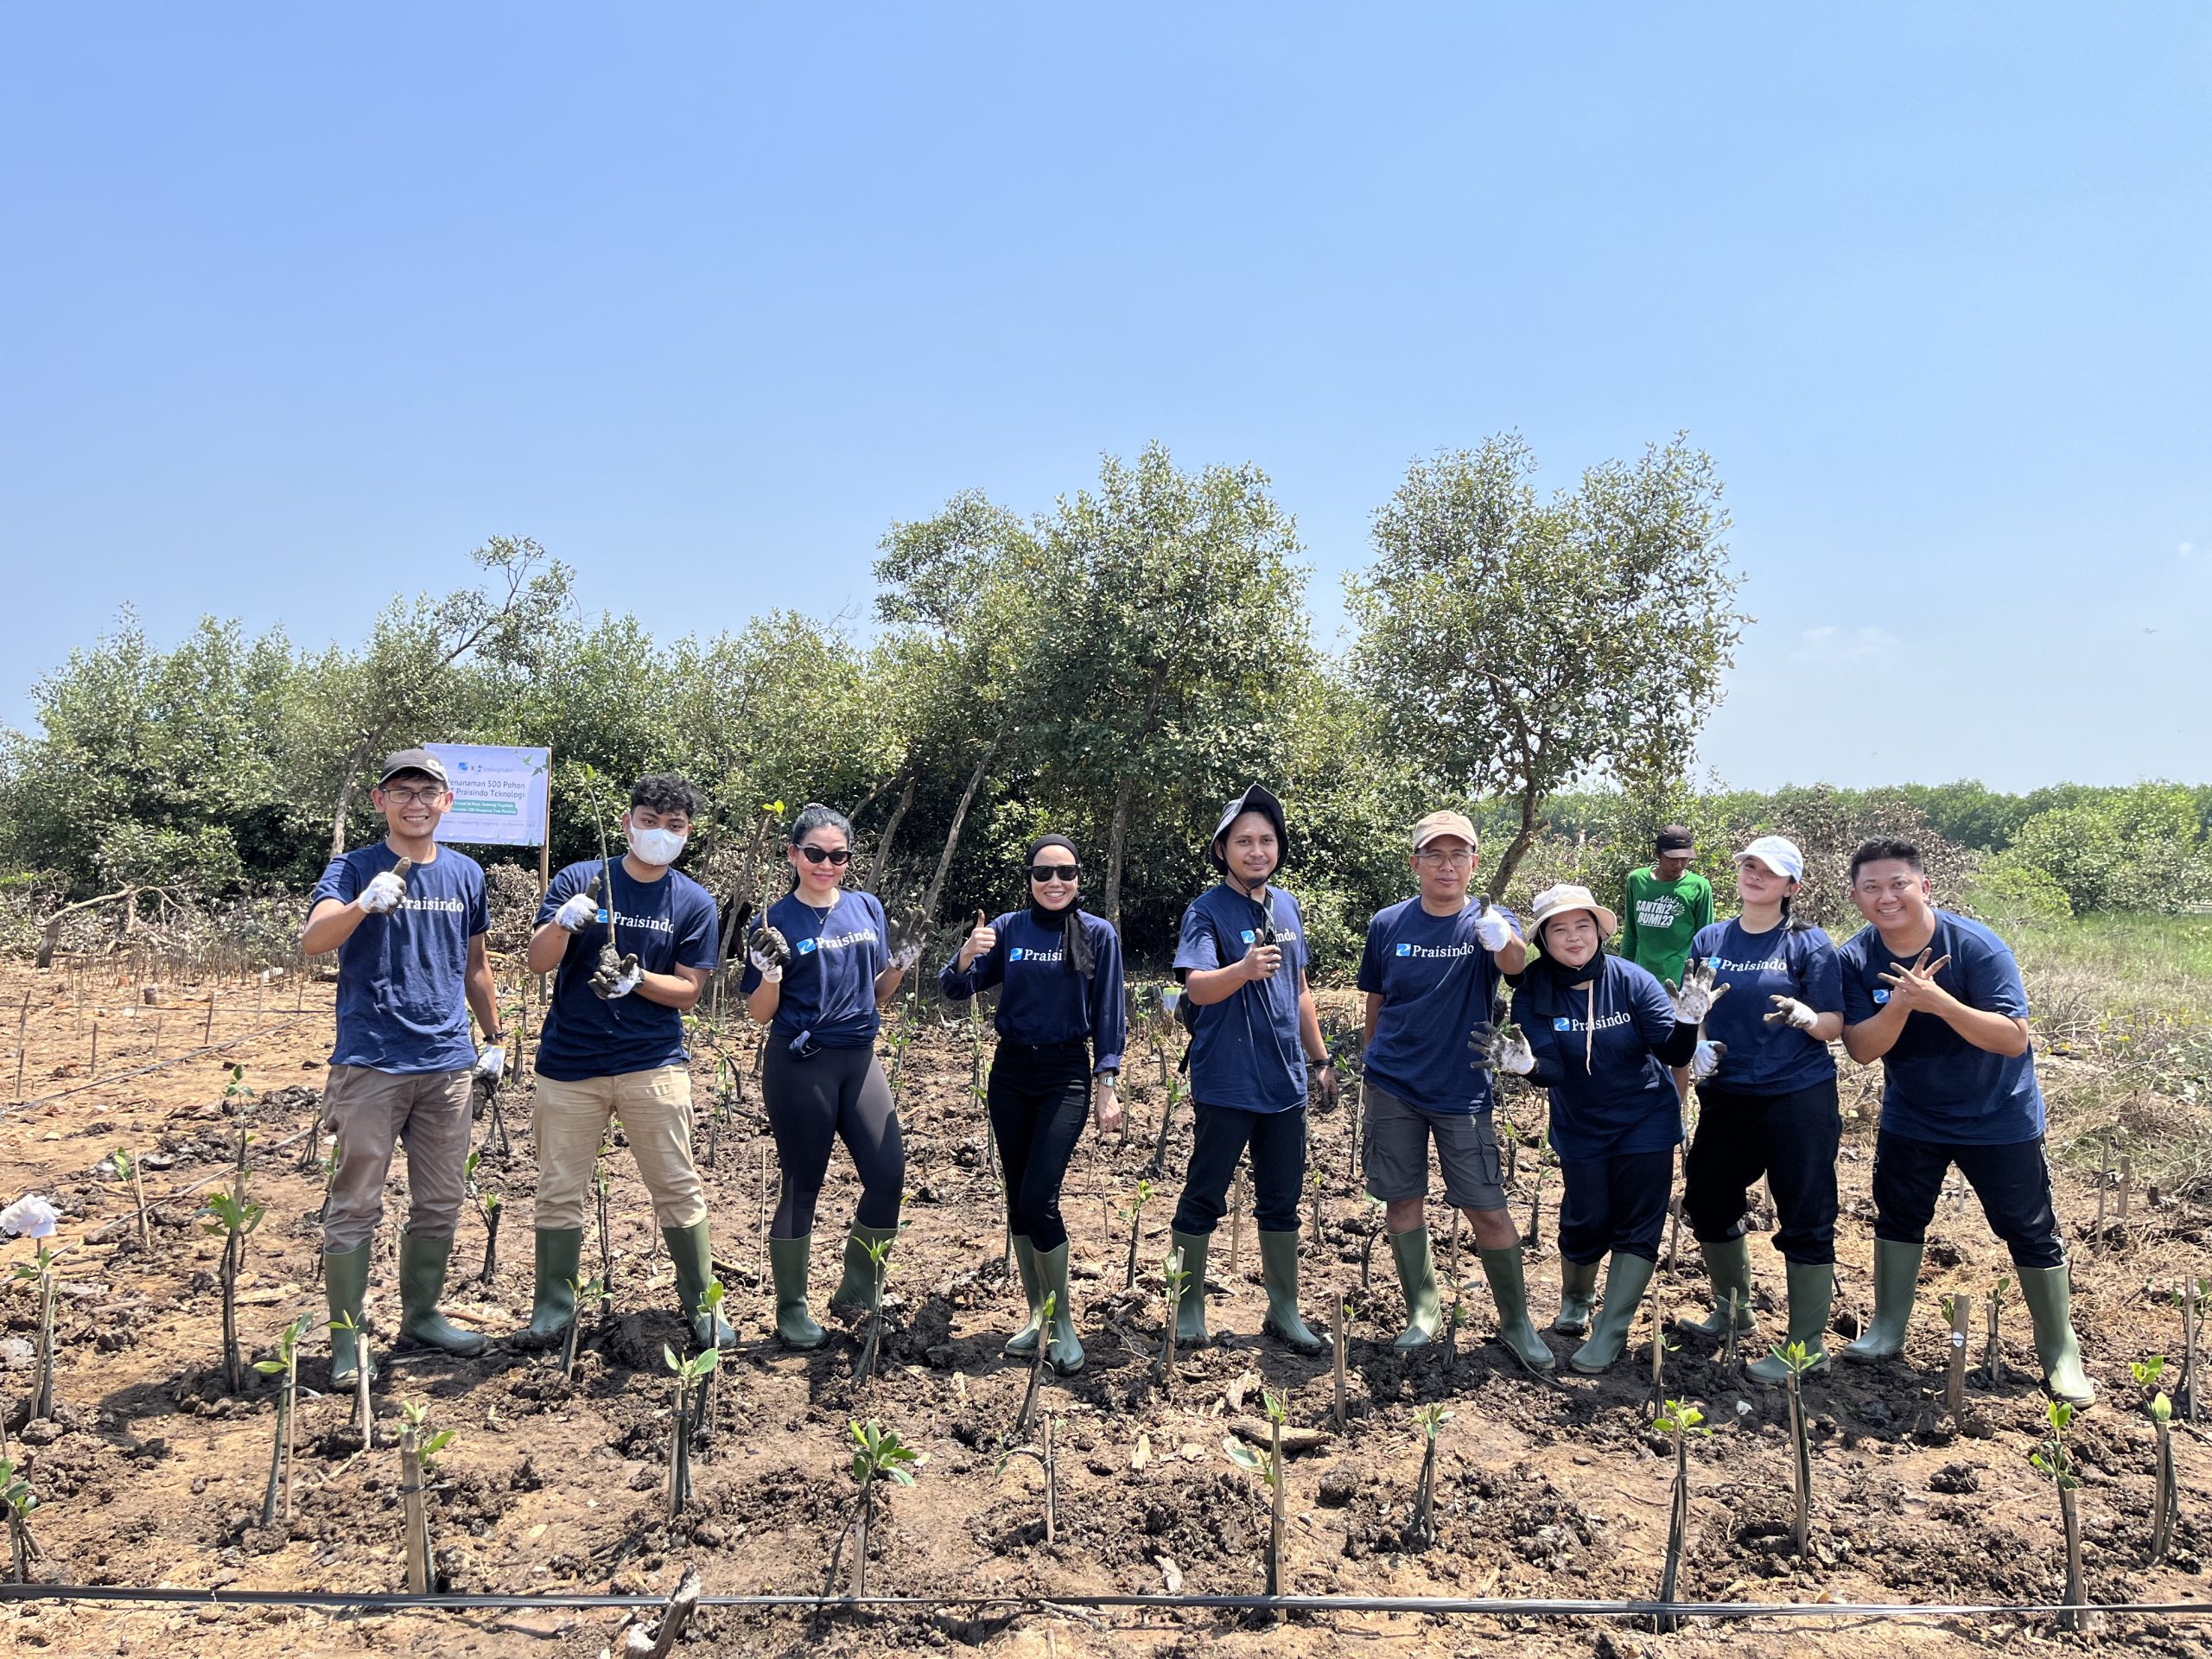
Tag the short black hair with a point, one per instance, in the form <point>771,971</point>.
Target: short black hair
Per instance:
<point>1885,847</point>
<point>667,792</point>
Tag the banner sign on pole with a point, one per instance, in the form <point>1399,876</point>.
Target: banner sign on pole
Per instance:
<point>499,794</point>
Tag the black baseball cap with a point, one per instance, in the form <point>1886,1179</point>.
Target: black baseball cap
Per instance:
<point>419,761</point>
<point>1674,839</point>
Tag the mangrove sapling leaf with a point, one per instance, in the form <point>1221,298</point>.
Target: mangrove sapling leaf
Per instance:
<point>1801,1470</point>
<point>688,1372</point>
<point>1134,1212</point>
<point>16,1498</point>
<point>1680,1419</point>
<point>286,1365</point>
<point>1992,1352</point>
<point>2165,1502</point>
<point>879,1455</point>
<point>235,1218</point>
<point>1429,1420</point>
<point>2054,1459</point>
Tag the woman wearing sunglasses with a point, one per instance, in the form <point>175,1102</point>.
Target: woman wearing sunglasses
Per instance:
<point>818,972</point>
<point>1061,1022</point>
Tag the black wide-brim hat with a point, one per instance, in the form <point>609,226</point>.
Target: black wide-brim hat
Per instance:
<point>1258,799</point>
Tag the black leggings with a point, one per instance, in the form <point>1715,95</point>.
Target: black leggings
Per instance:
<point>840,1092</point>
<point>1039,1097</point>
<point>1791,1140</point>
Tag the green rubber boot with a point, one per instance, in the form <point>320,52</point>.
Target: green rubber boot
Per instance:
<point>787,1260</point>
<point>1417,1278</point>
<point>1190,1310</point>
<point>345,1287</point>
<point>2049,1302</point>
<point>1897,1280</point>
<point>1023,1342</point>
<point>1279,1273</point>
<point>1626,1279</point>
<point>422,1282</point>
<point>693,1258</point>
<point>554,1272</point>
<point>1062,1349</point>
<point>1812,1293</point>
<point>1510,1290</point>
<point>1577,1294</point>
<point>1728,1264</point>
<point>855,1291</point>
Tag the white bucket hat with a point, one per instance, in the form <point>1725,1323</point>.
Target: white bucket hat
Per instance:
<point>1557,902</point>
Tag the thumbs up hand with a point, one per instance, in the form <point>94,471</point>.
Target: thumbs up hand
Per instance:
<point>981,936</point>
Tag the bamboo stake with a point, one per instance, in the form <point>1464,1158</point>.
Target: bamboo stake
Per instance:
<point>1954,1392</point>
<point>1236,1222</point>
<point>2126,1170</point>
<point>1337,1344</point>
<point>23,1042</point>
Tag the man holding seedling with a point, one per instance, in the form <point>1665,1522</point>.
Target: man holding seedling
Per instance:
<point>407,919</point>
<point>1939,1000</point>
<point>1431,969</point>
<point>1243,960</point>
<point>632,942</point>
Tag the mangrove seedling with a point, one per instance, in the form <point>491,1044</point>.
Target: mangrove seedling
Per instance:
<point>2191,1300</point>
<point>1993,1350</point>
<point>2165,1505</point>
<point>126,1167</point>
<point>1268,1466</point>
<point>418,1451</point>
<point>1339,1340</point>
<point>601,1209</point>
<point>487,1207</point>
<point>1048,1460</point>
<point>2054,1459</point>
<point>1177,1277</point>
<point>688,1372</point>
<point>879,1261</point>
<point>1177,1090</point>
<point>710,1306</point>
<point>1429,1420</point>
<point>1956,1311</point>
<point>1134,1212</point>
<point>286,1365</point>
<point>39,1273</point>
<point>359,1328</point>
<point>1800,1469</point>
<point>237,1097</point>
<point>1679,1419</point>
<point>879,1455</point>
<point>1037,1369</point>
<point>16,1498</point>
<point>579,1290</point>
<point>1538,1147</point>
<point>235,1217</point>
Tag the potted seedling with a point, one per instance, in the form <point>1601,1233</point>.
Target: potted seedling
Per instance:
<point>879,1254</point>
<point>1268,1466</point>
<point>1680,1419</point>
<point>487,1207</point>
<point>286,1365</point>
<point>419,1451</point>
<point>1801,1468</point>
<point>1993,1350</point>
<point>2165,1505</point>
<point>879,1455</point>
<point>1048,1460</point>
<point>16,1498</point>
<point>1429,1420</point>
<point>1134,1212</point>
<point>359,1328</point>
<point>694,1369</point>
<point>2055,1458</point>
<point>126,1167</point>
<point>235,1217</point>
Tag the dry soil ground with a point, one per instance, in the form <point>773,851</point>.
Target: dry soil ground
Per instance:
<point>149,1474</point>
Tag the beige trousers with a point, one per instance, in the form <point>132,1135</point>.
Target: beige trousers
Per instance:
<point>372,1112</point>
<point>569,1121</point>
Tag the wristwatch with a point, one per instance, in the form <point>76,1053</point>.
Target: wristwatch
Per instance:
<point>1114,1078</point>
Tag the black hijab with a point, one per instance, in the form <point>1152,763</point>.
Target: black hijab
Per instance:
<point>1076,954</point>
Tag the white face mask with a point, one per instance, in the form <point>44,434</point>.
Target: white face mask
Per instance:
<point>657,846</point>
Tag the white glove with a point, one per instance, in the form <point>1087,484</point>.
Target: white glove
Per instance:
<point>492,1063</point>
<point>382,896</point>
<point>626,981</point>
<point>1707,1060</point>
<point>767,952</point>
<point>905,958</point>
<point>1503,1049</point>
<point>577,910</point>
<point>1694,997</point>
<point>1493,929</point>
<point>1788,1011</point>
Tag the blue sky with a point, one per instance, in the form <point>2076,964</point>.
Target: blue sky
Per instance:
<point>304,303</point>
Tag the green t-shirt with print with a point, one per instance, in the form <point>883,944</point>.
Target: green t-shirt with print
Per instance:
<point>1662,917</point>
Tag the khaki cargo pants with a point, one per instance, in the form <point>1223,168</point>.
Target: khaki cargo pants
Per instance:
<point>569,1121</point>
<point>372,1113</point>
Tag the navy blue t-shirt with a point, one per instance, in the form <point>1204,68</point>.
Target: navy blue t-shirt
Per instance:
<point>1436,982</point>
<point>1937,1085</point>
<point>1763,1059</point>
<point>403,977</point>
<point>1245,1053</point>
<point>829,983</point>
<point>668,923</point>
<point>1624,1100</point>
<point>1043,1002</point>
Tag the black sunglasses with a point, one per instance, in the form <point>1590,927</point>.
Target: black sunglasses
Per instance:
<point>1053,872</point>
<point>828,855</point>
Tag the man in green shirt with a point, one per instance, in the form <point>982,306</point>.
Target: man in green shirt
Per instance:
<point>1668,902</point>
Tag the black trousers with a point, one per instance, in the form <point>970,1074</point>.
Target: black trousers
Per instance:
<point>2013,1184</point>
<point>1791,1140</point>
<point>837,1094</point>
<point>1617,1204</point>
<point>1278,1144</point>
<point>1039,1097</point>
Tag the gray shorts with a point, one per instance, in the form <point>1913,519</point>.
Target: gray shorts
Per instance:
<point>1394,1149</point>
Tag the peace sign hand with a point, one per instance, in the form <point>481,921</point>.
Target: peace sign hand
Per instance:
<point>1915,988</point>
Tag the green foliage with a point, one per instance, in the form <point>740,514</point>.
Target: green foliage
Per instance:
<point>880,1454</point>
<point>427,1444</point>
<point>2142,849</point>
<point>2053,1458</point>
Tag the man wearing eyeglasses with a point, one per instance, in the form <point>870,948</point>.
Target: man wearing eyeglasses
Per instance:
<point>407,919</point>
<point>1431,971</point>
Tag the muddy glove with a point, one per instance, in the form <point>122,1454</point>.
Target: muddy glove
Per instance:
<point>768,951</point>
<point>382,896</point>
<point>1325,1083</point>
<point>1694,997</point>
<point>1707,1060</point>
<point>578,910</point>
<point>1788,1011</point>
<point>904,945</point>
<point>616,977</point>
<point>1491,928</point>
<point>1502,1048</point>
<point>492,1063</point>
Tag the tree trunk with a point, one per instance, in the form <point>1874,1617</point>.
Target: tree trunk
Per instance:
<point>952,837</point>
<point>890,838</point>
<point>353,763</point>
<point>1518,847</point>
<point>1112,909</point>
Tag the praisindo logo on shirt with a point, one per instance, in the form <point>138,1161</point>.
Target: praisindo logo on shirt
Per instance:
<point>446,907</point>
<point>658,923</point>
<point>1881,996</point>
<point>1605,1023</point>
<point>1435,952</point>
<point>834,941</point>
<point>1019,953</point>
<point>1281,934</point>
<point>1771,965</point>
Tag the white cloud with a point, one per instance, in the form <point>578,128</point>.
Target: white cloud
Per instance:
<point>1831,647</point>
